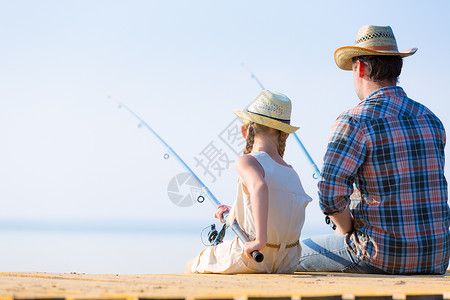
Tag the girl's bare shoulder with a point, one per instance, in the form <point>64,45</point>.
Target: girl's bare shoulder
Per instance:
<point>245,160</point>
<point>246,163</point>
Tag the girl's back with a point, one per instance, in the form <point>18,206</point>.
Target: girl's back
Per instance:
<point>270,203</point>
<point>287,202</point>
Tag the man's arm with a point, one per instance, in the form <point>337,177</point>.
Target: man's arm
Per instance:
<point>343,222</point>
<point>345,154</point>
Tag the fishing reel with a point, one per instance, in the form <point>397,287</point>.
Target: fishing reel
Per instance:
<point>216,237</point>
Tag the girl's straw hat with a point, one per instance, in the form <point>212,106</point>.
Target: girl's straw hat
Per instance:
<point>270,109</point>
<point>370,40</point>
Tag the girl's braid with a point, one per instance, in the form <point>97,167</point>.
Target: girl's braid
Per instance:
<point>250,138</point>
<point>282,142</point>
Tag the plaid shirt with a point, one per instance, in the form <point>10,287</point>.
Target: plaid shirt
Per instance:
<point>391,149</point>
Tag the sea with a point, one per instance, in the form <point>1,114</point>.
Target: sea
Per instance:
<point>103,247</point>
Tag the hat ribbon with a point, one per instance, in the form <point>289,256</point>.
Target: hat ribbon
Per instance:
<point>382,48</point>
<point>276,119</point>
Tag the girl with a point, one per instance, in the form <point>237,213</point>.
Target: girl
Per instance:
<point>270,203</point>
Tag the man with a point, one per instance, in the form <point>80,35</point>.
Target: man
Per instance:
<point>383,181</point>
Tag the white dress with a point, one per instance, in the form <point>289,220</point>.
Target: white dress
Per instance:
<point>287,203</point>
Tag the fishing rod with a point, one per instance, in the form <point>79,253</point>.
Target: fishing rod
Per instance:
<point>316,172</point>
<point>214,237</point>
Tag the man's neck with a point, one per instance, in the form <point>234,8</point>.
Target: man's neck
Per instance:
<point>370,87</point>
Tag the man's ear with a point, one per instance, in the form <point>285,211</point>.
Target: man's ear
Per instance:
<point>360,68</point>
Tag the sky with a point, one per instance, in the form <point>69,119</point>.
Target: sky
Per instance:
<point>68,151</point>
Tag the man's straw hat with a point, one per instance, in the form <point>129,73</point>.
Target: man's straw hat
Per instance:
<point>270,109</point>
<point>370,40</point>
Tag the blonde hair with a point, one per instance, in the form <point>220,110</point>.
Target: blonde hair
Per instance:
<point>253,128</point>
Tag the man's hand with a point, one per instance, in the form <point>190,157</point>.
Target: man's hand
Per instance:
<point>343,221</point>
<point>339,231</point>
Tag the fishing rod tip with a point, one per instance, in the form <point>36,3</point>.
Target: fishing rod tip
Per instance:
<point>119,104</point>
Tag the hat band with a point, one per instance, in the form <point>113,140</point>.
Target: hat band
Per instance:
<point>382,48</point>
<point>280,120</point>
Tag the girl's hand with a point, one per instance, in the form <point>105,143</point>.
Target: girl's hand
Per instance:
<point>249,247</point>
<point>220,211</point>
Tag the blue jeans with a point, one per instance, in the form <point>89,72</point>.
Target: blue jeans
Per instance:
<point>329,253</point>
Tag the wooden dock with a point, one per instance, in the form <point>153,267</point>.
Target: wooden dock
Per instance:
<point>305,286</point>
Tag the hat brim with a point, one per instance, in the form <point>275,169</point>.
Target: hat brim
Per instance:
<point>245,115</point>
<point>343,56</point>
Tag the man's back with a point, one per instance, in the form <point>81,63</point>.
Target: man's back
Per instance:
<point>397,164</point>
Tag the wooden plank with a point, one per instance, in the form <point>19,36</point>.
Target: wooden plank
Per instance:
<point>298,286</point>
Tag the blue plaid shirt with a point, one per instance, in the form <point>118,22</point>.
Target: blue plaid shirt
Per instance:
<point>385,159</point>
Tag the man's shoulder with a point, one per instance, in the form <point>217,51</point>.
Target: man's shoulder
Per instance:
<point>371,110</point>
<point>358,113</point>
<point>385,104</point>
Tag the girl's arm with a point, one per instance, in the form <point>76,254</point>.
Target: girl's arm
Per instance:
<point>252,174</point>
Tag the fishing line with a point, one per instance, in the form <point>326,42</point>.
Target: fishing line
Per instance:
<point>214,237</point>
<point>201,235</point>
